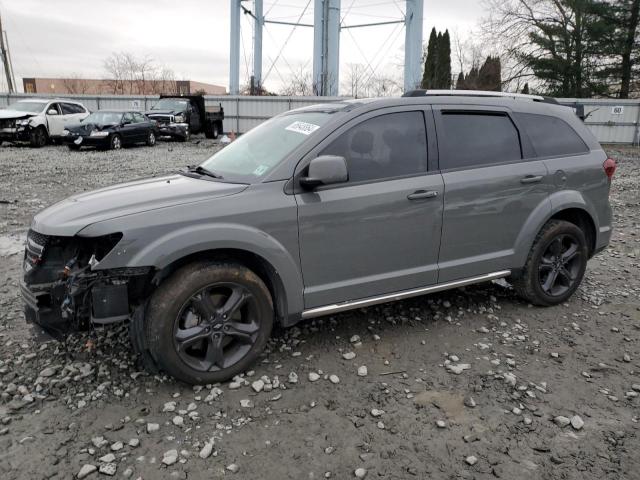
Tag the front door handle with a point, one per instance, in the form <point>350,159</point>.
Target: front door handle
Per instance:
<point>531,179</point>
<point>420,194</point>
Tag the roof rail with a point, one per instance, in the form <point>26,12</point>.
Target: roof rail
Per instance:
<point>476,93</point>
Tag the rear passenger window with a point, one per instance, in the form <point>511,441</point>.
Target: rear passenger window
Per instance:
<point>476,139</point>
<point>387,146</point>
<point>71,109</point>
<point>551,136</point>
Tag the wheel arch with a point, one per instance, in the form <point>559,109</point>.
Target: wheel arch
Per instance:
<point>254,262</point>
<point>564,205</point>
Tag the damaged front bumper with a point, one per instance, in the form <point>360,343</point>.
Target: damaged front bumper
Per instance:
<point>15,134</point>
<point>63,290</point>
<point>173,129</point>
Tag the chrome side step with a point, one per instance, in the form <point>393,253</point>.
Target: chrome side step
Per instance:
<point>391,297</point>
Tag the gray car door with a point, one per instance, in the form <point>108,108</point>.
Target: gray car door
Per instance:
<point>380,231</point>
<point>492,187</point>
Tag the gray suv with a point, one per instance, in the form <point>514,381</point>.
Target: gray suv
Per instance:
<point>320,210</point>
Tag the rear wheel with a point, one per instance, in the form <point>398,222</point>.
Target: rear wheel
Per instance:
<point>38,137</point>
<point>555,265</point>
<point>212,131</point>
<point>209,322</point>
<point>115,143</point>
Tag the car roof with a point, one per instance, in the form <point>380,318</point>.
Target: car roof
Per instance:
<point>47,100</point>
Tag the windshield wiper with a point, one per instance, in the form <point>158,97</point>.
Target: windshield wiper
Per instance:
<point>203,171</point>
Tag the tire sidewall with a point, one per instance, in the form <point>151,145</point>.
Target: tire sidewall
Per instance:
<point>151,139</point>
<point>558,228</point>
<point>112,142</point>
<point>169,299</point>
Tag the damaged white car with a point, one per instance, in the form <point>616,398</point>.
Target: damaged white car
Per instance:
<point>37,121</point>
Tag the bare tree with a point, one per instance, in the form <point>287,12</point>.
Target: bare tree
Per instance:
<point>300,83</point>
<point>75,84</point>
<point>130,74</point>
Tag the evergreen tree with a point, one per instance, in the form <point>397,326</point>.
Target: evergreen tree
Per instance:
<point>430,61</point>
<point>437,63</point>
<point>460,84</point>
<point>525,89</point>
<point>444,61</point>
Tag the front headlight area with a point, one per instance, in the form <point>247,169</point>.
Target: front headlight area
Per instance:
<point>63,285</point>
<point>23,122</point>
<point>179,118</point>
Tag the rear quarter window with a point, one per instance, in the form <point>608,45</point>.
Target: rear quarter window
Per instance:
<point>551,136</point>
<point>477,139</point>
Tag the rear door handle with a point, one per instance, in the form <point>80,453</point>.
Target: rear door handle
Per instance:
<point>420,194</point>
<point>531,179</point>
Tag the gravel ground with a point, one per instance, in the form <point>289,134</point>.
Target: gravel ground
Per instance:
<point>471,383</point>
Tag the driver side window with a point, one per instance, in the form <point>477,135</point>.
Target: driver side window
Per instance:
<point>53,106</point>
<point>391,145</point>
<point>127,118</point>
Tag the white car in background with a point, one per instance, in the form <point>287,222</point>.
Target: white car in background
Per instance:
<point>39,120</point>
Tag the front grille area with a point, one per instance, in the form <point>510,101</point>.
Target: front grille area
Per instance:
<point>9,123</point>
<point>38,238</point>
<point>161,118</point>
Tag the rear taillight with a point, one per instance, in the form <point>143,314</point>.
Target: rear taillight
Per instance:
<point>609,167</point>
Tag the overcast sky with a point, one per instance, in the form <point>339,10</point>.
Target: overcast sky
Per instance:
<point>73,37</point>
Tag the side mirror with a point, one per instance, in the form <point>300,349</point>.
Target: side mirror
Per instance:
<point>52,111</point>
<point>325,170</point>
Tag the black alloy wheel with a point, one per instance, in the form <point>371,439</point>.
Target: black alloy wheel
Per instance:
<point>560,265</point>
<point>208,321</point>
<point>555,265</point>
<point>216,327</point>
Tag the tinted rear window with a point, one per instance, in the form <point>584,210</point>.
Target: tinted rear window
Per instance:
<point>476,139</point>
<point>551,136</point>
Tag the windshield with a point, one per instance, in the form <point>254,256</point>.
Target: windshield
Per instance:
<point>256,152</point>
<point>31,107</point>
<point>171,104</point>
<point>104,118</point>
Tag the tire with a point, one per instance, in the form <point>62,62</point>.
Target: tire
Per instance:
<point>555,265</point>
<point>38,137</point>
<point>115,142</point>
<point>186,137</point>
<point>151,139</point>
<point>212,131</point>
<point>190,336</point>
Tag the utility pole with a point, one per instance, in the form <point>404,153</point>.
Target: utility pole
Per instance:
<point>6,59</point>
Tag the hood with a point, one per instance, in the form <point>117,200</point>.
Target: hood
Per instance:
<point>163,112</point>
<point>86,128</point>
<point>4,114</point>
<point>68,217</point>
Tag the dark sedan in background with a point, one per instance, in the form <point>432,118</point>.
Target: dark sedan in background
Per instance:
<point>111,129</point>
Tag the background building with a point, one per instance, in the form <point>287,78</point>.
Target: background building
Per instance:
<point>92,86</point>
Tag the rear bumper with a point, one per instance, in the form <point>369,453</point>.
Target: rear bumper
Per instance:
<point>603,239</point>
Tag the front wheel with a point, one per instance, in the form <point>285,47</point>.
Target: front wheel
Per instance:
<point>151,139</point>
<point>209,322</point>
<point>115,143</point>
<point>38,137</point>
<point>555,265</point>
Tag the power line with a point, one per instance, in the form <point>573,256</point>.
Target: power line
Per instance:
<point>293,29</point>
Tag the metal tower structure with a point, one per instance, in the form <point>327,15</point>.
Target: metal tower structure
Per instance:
<point>326,44</point>
<point>5,57</point>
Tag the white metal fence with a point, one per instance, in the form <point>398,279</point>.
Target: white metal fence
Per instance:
<point>611,121</point>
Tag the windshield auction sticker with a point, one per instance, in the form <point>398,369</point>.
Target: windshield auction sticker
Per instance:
<point>303,128</point>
